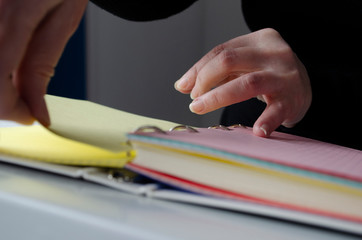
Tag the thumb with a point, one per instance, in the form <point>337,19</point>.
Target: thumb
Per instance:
<point>43,53</point>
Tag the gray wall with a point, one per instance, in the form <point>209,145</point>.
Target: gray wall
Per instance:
<point>132,66</point>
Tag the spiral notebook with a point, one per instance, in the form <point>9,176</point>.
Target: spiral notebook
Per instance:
<point>285,176</point>
<point>283,171</point>
<point>286,152</point>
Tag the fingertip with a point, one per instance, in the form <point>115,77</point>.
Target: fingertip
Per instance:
<point>44,120</point>
<point>192,96</point>
<point>262,131</point>
<point>269,120</point>
<point>38,108</point>
<point>197,106</point>
<point>26,121</point>
<point>176,85</point>
<point>41,114</point>
<point>183,85</point>
<point>195,93</point>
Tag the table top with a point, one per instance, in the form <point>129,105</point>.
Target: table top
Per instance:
<point>40,205</point>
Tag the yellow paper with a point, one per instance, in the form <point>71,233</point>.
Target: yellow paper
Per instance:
<point>37,143</point>
<point>81,133</point>
<point>95,124</point>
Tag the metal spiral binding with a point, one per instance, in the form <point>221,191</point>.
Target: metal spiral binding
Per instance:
<point>237,126</point>
<point>219,127</point>
<point>120,175</point>
<point>229,128</point>
<point>183,127</point>
<point>159,130</point>
<point>149,128</point>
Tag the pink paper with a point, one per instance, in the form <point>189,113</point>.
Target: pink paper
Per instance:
<point>280,148</point>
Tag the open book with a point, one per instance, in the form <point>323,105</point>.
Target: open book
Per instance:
<point>284,176</point>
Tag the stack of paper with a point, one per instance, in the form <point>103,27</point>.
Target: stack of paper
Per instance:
<point>283,170</point>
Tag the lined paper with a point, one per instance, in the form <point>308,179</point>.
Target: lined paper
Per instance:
<point>280,148</point>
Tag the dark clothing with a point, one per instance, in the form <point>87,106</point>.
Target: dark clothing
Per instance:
<point>327,38</point>
<point>143,10</point>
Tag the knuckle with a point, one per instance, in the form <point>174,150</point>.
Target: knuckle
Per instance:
<point>281,107</point>
<point>281,52</point>
<point>45,71</point>
<point>38,75</point>
<point>270,32</point>
<point>253,82</point>
<point>210,55</point>
<point>218,49</point>
<point>227,58</point>
<point>39,70</point>
<point>279,48</point>
<point>267,33</point>
<point>285,109</point>
<point>286,53</point>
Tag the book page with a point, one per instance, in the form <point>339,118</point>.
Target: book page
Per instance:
<point>37,143</point>
<point>95,124</point>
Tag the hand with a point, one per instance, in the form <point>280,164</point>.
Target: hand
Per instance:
<point>33,34</point>
<point>260,64</point>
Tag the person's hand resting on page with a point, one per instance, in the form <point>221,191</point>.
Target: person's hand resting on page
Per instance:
<point>260,64</point>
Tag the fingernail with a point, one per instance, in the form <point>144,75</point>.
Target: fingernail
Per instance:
<point>193,95</point>
<point>197,106</point>
<point>264,129</point>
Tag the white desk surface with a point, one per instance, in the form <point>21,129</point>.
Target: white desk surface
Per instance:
<point>39,205</point>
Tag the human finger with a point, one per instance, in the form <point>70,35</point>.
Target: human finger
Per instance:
<point>271,118</point>
<point>282,109</point>
<point>239,89</point>
<point>17,24</point>
<point>43,53</point>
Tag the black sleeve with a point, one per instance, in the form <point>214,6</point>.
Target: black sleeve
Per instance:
<point>143,10</point>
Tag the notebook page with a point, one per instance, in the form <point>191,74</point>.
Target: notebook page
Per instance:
<point>95,124</point>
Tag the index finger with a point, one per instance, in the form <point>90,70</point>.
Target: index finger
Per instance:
<point>240,89</point>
